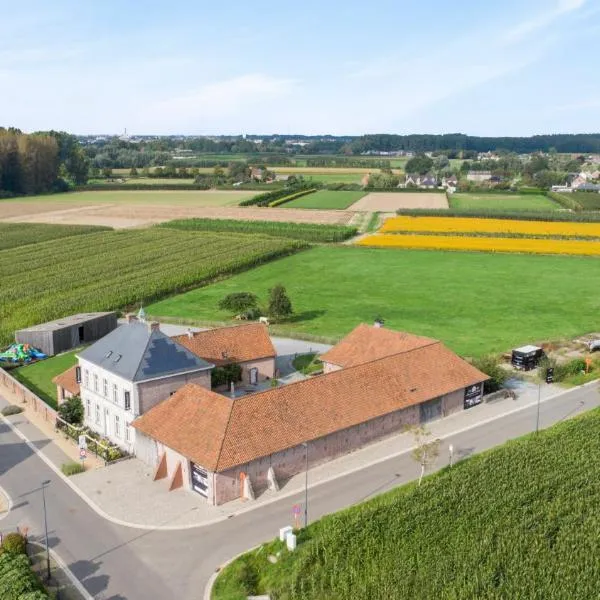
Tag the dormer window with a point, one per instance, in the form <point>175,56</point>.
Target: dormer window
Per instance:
<point>117,358</point>
<point>108,354</point>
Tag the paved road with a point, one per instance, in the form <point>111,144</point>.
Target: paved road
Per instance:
<point>118,563</point>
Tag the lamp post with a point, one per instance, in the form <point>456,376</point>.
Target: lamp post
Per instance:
<point>305,444</point>
<point>44,484</point>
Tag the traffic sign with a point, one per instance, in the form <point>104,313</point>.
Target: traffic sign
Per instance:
<point>82,442</point>
<point>83,454</point>
<point>296,509</point>
<point>549,375</point>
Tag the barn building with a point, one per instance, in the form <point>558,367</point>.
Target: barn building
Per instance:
<point>377,382</point>
<point>67,333</point>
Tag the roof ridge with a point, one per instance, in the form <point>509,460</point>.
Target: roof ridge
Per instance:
<point>232,401</point>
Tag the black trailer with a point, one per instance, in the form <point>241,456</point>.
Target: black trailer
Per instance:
<point>526,358</point>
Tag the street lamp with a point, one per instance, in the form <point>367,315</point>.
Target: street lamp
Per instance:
<point>44,484</point>
<point>305,444</point>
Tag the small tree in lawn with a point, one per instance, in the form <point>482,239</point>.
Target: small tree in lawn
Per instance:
<point>71,410</point>
<point>426,450</point>
<point>238,302</point>
<point>280,305</point>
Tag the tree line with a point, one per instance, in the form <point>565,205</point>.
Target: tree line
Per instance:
<point>40,162</point>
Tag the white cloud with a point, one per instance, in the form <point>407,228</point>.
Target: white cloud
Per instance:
<point>543,20</point>
<point>228,97</point>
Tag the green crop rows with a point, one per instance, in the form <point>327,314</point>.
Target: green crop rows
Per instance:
<point>520,521</point>
<point>309,232</point>
<point>21,234</point>
<point>109,270</point>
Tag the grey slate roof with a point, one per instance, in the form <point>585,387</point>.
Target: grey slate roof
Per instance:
<point>136,353</point>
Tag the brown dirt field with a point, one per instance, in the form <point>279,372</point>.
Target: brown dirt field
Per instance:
<point>392,201</point>
<point>123,216</point>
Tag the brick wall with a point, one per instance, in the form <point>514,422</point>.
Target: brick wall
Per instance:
<point>293,460</point>
<point>265,366</point>
<point>151,393</point>
<point>27,396</point>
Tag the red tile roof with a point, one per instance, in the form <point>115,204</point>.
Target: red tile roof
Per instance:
<point>367,343</point>
<point>236,344</point>
<point>267,422</point>
<point>68,381</point>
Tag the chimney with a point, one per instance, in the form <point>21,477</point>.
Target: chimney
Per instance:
<point>154,326</point>
<point>190,334</point>
<point>130,317</point>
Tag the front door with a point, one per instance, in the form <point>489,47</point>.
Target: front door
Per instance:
<point>253,376</point>
<point>199,480</point>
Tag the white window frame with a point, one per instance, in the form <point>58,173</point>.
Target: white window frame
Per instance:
<point>105,388</point>
<point>115,394</point>
<point>88,408</point>
<point>127,433</point>
<point>117,426</point>
<point>127,400</point>
<point>97,415</point>
<point>96,382</point>
<point>86,379</point>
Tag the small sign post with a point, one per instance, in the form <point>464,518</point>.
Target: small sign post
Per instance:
<point>296,510</point>
<point>82,442</point>
<point>82,455</point>
<point>549,375</point>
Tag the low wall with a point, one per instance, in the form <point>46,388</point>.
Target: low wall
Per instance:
<point>26,396</point>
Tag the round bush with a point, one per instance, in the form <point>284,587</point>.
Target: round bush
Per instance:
<point>11,409</point>
<point>14,543</point>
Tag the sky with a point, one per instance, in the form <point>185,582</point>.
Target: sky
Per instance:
<point>498,67</point>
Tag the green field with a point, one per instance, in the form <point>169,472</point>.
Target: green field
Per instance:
<point>38,376</point>
<point>334,177</point>
<point>309,232</point>
<point>13,235</point>
<point>144,181</point>
<point>476,303</point>
<point>326,199</point>
<point>588,200</point>
<point>113,269</point>
<point>174,197</point>
<point>517,522</point>
<point>502,202</point>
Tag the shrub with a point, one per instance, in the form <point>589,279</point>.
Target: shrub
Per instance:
<point>17,580</point>
<point>491,366</point>
<point>72,468</point>
<point>14,543</point>
<point>225,375</point>
<point>238,302</point>
<point>11,409</point>
<point>71,410</point>
<point>280,305</point>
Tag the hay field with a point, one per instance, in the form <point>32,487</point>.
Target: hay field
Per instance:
<point>392,201</point>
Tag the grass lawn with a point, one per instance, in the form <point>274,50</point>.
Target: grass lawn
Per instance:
<point>145,197</point>
<point>502,202</point>
<point>326,199</point>
<point>519,521</point>
<point>38,376</point>
<point>474,302</point>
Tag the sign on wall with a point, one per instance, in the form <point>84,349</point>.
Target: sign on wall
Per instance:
<point>473,395</point>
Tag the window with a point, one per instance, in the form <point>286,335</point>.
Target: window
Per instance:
<point>115,394</point>
<point>88,408</point>
<point>127,433</point>
<point>86,379</point>
<point>105,388</point>
<point>127,401</point>
<point>117,426</point>
<point>78,374</point>
<point>95,382</point>
<point>97,414</point>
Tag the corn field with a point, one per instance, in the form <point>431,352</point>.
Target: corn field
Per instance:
<point>21,234</point>
<point>519,522</point>
<point>113,269</point>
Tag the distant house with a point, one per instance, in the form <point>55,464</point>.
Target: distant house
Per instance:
<point>421,181</point>
<point>246,345</point>
<point>588,187</point>
<point>256,174</point>
<point>67,384</point>
<point>479,176</point>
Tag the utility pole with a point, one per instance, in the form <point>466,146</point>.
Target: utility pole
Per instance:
<point>305,444</point>
<point>44,484</point>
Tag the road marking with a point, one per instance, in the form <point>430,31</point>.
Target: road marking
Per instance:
<point>9,502</point>
<point>280,496</point>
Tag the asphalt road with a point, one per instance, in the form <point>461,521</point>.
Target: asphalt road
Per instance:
<point>120,563</point>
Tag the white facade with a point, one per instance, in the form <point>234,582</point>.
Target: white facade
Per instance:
<point>110,403</point>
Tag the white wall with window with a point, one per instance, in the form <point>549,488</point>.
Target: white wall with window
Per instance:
<point>110,402</point>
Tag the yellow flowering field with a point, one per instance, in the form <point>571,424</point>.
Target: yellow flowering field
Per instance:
<point>474,225</point>
<point>483,244</point>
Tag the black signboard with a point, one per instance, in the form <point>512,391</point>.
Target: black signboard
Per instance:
<point>549,375</point>
<point>473,395</point>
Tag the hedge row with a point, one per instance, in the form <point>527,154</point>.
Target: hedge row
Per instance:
<point>580,217</point>
<point>309,232</point>
<point>268,197</point>
<point>292,197</point>
<point>565,201</point>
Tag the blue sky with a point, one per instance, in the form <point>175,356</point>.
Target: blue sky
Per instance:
<point>510,67</point>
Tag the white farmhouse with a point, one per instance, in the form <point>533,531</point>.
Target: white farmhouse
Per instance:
<point>129,371</point>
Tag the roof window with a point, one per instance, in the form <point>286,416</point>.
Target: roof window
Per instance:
<point>117,358</point>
